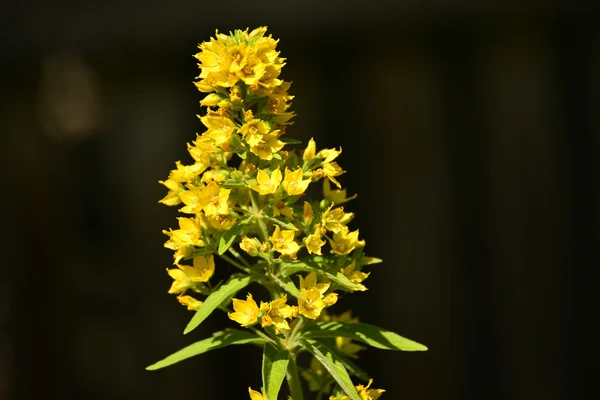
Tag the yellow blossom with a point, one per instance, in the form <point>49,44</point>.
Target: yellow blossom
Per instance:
<point>311,304</point>
<point>218,176</point>
<point>254,130</point>
<point>220,222</point>
<point>184,240</point>
<point>276,312</point>
<point>335,220</point>
<point>345,241</point>
<point>202,271</point>
<point>293,183</point>
<point>266,184</point>
<point>250,245</point>
<point>332,170</point>
<point>213,199</point>
<point>330,299</point>
<point>246,311</point>
<point>355,276</point>
<point>219,130</point>
<point>310,282</point>
<point>181,282</point>
<point>186,173</point>
<point>267,146</point>
<point>283,242</point>
<point>172,198</point>
<point>307,213</point>
<point>281,209</point>
<point>368,394</point>
<point>314,242</point>
<point>329,155</point>
<point>254,395</point>
<point>309,152</point>
<point>336,196</point>
<point>191,303</point>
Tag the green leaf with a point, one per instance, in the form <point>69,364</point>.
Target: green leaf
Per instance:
<point>333,365</point>
<point>369,334</point>
<point>288,269</point>
<point>287,140</point>
<point>287,285</point>
<point>274,367</point>
<point>351,366</point>
<point>216,298</point>
<point>228,236</point>
<point>220,339</point>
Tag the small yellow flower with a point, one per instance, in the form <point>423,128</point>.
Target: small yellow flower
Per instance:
<point>220,222</point>
<point>172,198</point>
<point>186,173</point>
<point>355,276</point>
<point>330,299</point>
<point>181,282</point>
<point>246,311</point>
<point>213,199</point>
<point>276,312</point>
<point>345,241</point>
<point>254,395</point>
<point>336,196</point>
<point>329,154</point>
<point>281,209</point>
<point>335,220</point>
<point>267,146</point>
<point>309,152</point>
<point>332,170</point>
<point>311,304</point>
<point>307,213</point>
<point>203,269</point>
<point>368,394</point>
<point>250,245</point>
<point>314,242</point>
<point>254,130</point>
<point>191,303</point>
<point>265,184</point>
<point>283,242</point>
<point>310,282</point>
<point>293,183</point>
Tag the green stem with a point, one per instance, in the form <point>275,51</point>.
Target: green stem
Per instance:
<point>236,264</point>
<point>258,216</point>
<point>293,379</point>
<point>239,257</point>
<point>295,331</point>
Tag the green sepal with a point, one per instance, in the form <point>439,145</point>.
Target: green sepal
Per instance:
<point>332,364</point>
<point>369,334</point>
<point>274,368</point>
<point>220,339</point>
<point>216,298</point>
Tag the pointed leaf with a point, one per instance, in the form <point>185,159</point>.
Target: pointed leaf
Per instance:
<point>369,334</point>
<point>216,298</point>
<point>274,367</point>
<point>228,237</point>
<point>333,365</point>
<point>351,366</point>
<point>220,339</point>
<point>287,285</point>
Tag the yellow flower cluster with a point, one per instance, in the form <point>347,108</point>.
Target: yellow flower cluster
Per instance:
<point>245,191</point>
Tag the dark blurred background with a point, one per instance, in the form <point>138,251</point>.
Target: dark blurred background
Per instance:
<point>470,132</point>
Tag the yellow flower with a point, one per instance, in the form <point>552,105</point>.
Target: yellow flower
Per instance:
<point>267,146</point>
<point>246,311</point>
<point>191,303</point>
<point>181,282</point>
<point>345,241</point>
<point>215,175</point>
<point>330,299</point>
<point>212,199</point>
<point>293,183</point>
<point>309,152</point>
<point>368,394</point>
<point>314,242</point>
<point>283,242</point>
<point>183,240</point>
<point>264,183</point>
<point>219,130</point>
<point>186,173</point>
<point>331,171</point>
<point>276,312</point>
<point>335,220</point>
<point>310,282</point>
<point>281,209</point>
<point>254,395</point>
<point>311,304</point>
<point>336,196</point>
<point>202,270</point>
<point>329,155</point>
<point>307,213</point>
<point>220,222</point>
<point>348,347</point>
<point>355,276</point>
<point>254,130</point>
<point>250,245</point>
<point>172,198</point>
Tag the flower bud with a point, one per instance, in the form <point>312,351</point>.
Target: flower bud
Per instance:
<point>309,152</point>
